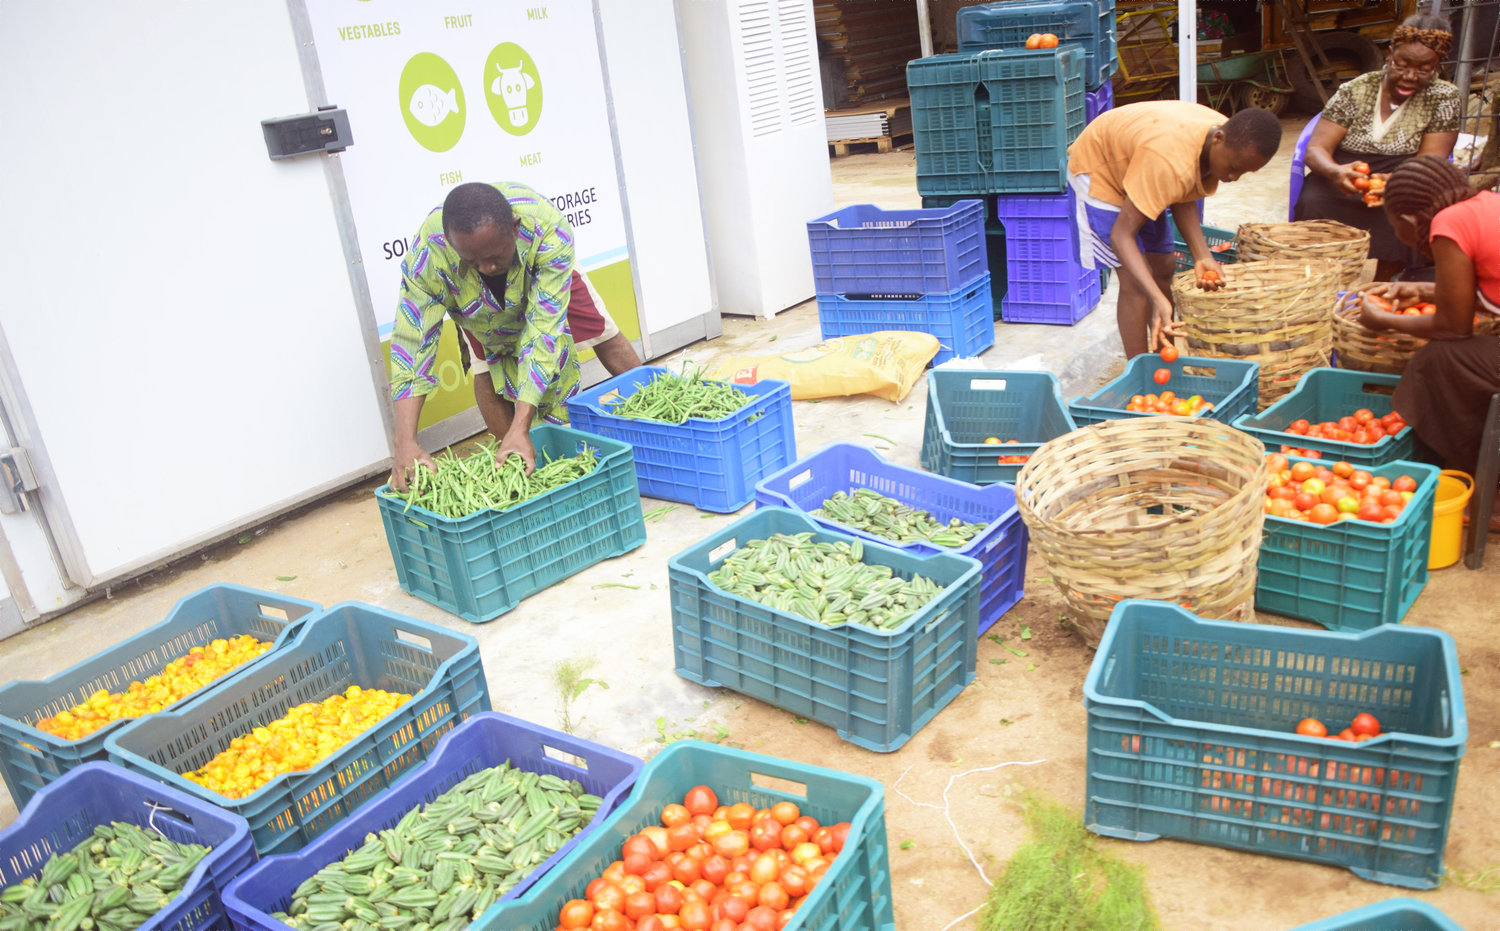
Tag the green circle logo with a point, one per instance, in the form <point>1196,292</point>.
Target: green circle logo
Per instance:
<point>513,88</point>
<point>432,102</point>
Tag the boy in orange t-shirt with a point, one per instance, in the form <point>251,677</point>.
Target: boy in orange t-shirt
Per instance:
<point>1128,167</point>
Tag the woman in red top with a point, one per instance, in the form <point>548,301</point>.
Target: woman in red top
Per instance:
<point>1445,392</point>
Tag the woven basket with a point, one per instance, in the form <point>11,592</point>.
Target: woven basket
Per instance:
<point>1366,350</point>
<point>1164,507</point>
<point>1274,313</point>
<point>1331,240</point>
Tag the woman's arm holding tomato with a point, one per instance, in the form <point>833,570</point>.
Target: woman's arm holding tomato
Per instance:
<point>1453,294</point>
<point>1324,141</point>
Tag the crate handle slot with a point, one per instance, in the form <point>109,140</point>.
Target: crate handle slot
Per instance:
<point>876,296</point>
<point>276,611</point>
<point>1377,388</point>
<point>778,784</point>
<point>406,636</point>
<point>563,756</point>
<point>722,550</point>
<point>801,478</point>
<point>1204,371</point>
<point>158,808</point>
<point>987,384</point>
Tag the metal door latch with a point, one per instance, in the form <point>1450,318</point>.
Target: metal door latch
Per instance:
<point>16,478</point>
<point>325,130</point>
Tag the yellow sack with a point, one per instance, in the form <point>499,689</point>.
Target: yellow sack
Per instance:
<point>886,364</point>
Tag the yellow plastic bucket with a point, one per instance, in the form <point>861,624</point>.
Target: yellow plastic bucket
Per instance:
<point>1453,490</point>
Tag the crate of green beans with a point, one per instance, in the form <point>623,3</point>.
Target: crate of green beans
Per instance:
<point>698,441</point>
<point>852,489</point>
<point>868,639</point>
<point>475,539</point>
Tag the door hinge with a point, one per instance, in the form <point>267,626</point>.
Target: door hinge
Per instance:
<point>16,478</point>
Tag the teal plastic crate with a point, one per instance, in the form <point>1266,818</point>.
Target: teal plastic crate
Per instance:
<point>967,406</point>
<point>1000,548</point>
<point>1232,386</point>
<point>345,645</point>
<point>855,894</point>
<point>1325,394</point>
<point>31,758</point>
<point>1191,735</point>
<point>711,464</point>
<point>1086,23</point>
<point>480,566</point>
<point>1352,574</point>
<point>875,687</point>
<point>1221,242</point>
<point>68,809</point>
<point>485,740</point>
<point>997,121</point>
<point>1396,914</point>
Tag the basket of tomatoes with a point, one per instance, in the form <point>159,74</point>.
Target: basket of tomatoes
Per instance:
<point>1275,313</point>
<point>1359,347</point>
<point>1344,546</point>
<point>1336,414</point>
<point>1164,508</point>
<point>1307,240</point>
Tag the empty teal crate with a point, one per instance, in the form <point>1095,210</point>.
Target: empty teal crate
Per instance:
<point>1000,547</point>
<point>480,566</point>
<point>875,687</point>
<point>711,464</point>
<point>32,758</point>
<point>1395,914</point>
<point>855,894</point>
<point>1191,735</point>
<point>967,406</point>
<point>1352,574</point>
<point>1231,385</point>
<point>345,645</point>
<point>1325,394</point>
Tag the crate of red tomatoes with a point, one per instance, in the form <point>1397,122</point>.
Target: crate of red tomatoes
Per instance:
<point>1335,414</point>
<point>1344,546</point>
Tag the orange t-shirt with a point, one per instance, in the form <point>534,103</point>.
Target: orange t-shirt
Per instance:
<point>1148,152</point>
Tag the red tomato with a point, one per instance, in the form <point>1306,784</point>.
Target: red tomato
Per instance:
<point>1311,727</point>
<point>1169,353</point>
<point>650,923</point>
<point>765,834</point>
<point>791,836</point>
<point>715,868</point>
<point>608,919</point>
<point>723,924</point>
<point>640,843</point>
<point>637,863</point>
<point>736,908</point>
<point>1404,483</point>
<point>808,824</point>
<point>840,834</point>
<point>1298,426</point>
<point>639,904</point>
<point>682,836</point>
<point>1365,724</point>
<point>576,913</point>
<point>668,899</point>
<point>732,843</point>
<point>694,916</point>
<point>762,919</point>
<point>701,800</point>
<point>785,812</point>
<point>675,814</point>
<point>794,880</point>
<point>773,896</point>
<point>688,870</point>
<point>1161,376</point>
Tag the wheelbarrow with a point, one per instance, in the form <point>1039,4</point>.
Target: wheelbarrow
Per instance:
<point>1257,79</point>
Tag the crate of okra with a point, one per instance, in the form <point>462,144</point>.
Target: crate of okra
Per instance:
<point>701,442</point>
<point>510,799</point>
<point>853,490</point>
<point>868,639</point>
<point>306,690</point>
<point>482,563</point>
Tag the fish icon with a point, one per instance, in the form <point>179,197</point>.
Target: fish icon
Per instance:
<point>430,105</point>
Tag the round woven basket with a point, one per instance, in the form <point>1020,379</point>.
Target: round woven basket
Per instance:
<point>1168,508</point>
<point>1331,240</point>
<point>1275,313</point>
<point>1367,350</point>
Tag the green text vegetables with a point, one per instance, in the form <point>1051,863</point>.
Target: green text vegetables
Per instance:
<point>444,864</point>
<point>674,398</point>
<point>117,879</point>
<point>873,512</point>
<point>823,582</point>
<point>463,486</point>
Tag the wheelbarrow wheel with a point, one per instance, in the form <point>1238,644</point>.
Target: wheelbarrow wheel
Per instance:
<point>1252,95</point>
<point>1349,56</point>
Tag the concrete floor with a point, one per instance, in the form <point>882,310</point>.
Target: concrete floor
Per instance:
<point>336,551</point>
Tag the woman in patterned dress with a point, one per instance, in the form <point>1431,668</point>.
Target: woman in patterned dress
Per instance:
<point>1382,119</point>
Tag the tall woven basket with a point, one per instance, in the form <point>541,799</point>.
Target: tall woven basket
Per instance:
<point>1347,246</point>
<point>1167,508</point>
<point>1367,350</point>
<point>1276,313</point>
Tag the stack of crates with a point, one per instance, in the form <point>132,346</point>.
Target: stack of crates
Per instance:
<point>994,121</point>
<point>922,270</point>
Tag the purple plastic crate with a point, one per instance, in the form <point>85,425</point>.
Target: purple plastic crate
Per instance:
<point>963,321</point>
<point>1097,101</point>
<point>864,251</point>
<point>1045,281</point>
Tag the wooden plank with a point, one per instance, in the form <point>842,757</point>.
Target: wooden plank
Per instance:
<point>866,146</point>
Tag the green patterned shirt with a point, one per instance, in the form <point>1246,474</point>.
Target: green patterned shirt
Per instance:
<point>1434,109</point>
<point>524,331</point>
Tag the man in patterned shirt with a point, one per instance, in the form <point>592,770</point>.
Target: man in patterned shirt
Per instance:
<point>499,260</point>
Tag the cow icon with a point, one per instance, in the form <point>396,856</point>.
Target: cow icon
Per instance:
<point>511,86</point>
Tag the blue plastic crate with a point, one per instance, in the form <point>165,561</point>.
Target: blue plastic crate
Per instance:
<point>1000,548</point>
<point>66,811</point>
<point>1396,914</point>
<point>1097,101</point>
<point>1353,574</point>
<point>864,251</point>
<point>711,464</point>
<point>1232,386</point>
<point>875,687</point>
<point>30,758</point>
<point>1326,394</point>
<point>486,740</point>
<point>1085,23</point>
<point>963,321</point>
<point>1045,280</point>
<point>347,644</point>
<point>1220,242</point>
<point>1191,736</point>
<point>855,894</point>
<point>480,566</point>
<point>995,121</point>
<point>967,406</point>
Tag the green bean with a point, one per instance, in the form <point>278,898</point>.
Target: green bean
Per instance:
<point>669,398</point>
<point>872,512</point>
<point>459,486</point>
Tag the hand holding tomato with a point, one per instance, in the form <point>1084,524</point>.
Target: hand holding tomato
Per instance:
<point>1210,275</point>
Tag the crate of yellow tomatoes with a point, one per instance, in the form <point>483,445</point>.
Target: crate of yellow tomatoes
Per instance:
<point>357,698</point>
<point>50,726</point>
